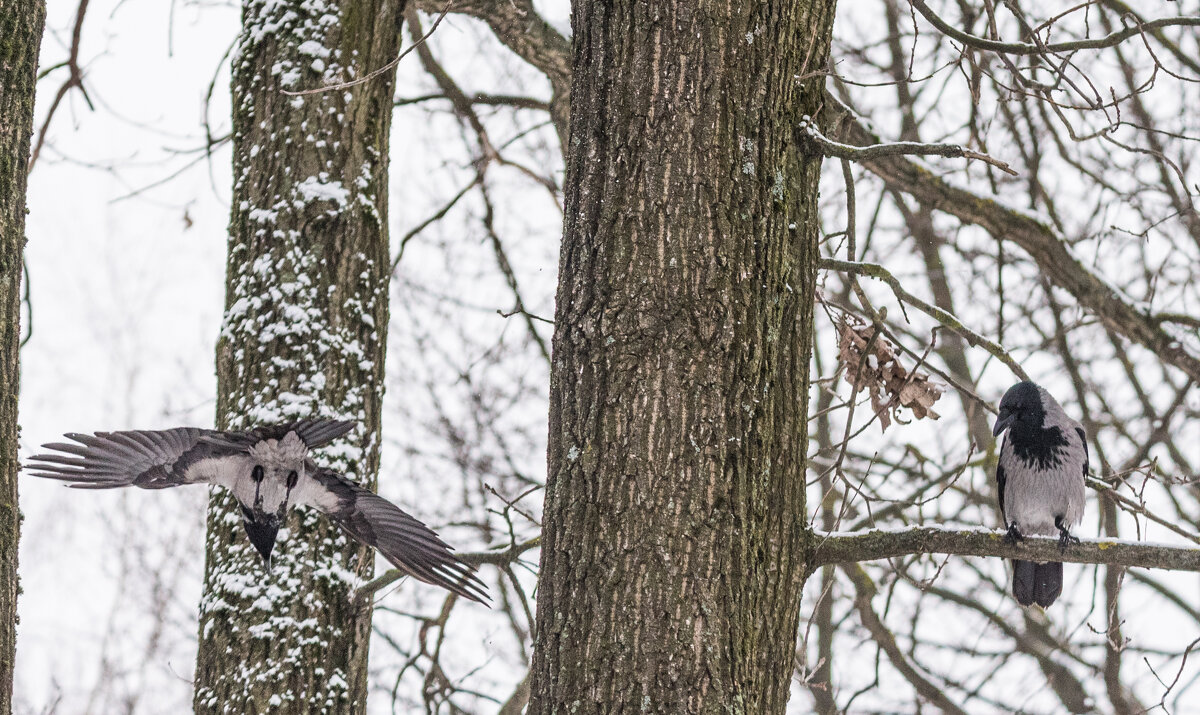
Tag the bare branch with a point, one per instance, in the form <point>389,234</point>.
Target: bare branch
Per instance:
<point>1028,48</point>
<point>828,147</point>
<point>521,29</point>
<point>515,705</point>
<point>1036,237</point>
<point>74,80</point>
<point>1134,507</point>
<point>874,270</point>
<point>477,558</point>
<point>376,72</point>
<point>835,547</point>
<point>864,591</point>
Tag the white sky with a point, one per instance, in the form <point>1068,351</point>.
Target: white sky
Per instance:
<point>126,305</point>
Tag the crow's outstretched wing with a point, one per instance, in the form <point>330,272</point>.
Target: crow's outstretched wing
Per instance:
<point>406,542</point>
<point>150,459</point>
<point>155,459</point>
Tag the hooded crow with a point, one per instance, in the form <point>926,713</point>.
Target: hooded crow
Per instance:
<point>269,471</point>
<point>1041,471</point>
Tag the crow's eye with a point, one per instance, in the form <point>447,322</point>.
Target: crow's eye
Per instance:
<point>257,474</point>
<point>292,479</point>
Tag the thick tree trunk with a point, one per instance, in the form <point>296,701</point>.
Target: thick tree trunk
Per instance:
<point>306,313</point>
<point>20,38</point>
<point>675,526</point>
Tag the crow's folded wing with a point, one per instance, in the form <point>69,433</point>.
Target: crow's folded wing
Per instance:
<point>1083,441</point>
<point>150,459</point>
<point>1001,479</point>
<point>406,542</point>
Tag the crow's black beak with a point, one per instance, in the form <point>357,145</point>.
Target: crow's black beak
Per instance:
<point>262,529</point>
<point>1002,423</point>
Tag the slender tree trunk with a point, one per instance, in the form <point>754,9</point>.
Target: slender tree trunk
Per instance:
<point>20,38</point>
<point>675,526</point>
<point>306,313</point>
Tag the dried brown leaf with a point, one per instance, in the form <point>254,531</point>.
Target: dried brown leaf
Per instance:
<point>878,370</point>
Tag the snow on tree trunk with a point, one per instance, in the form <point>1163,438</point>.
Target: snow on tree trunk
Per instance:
<point>675,526</point>
<point>20,37</point>
<point>303,335</point>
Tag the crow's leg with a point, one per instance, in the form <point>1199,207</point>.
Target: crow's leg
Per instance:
<point>1014,534</point>
<point>1064,535</point>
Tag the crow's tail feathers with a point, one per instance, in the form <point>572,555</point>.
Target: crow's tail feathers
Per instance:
<point>1048,583</point>
<point>1037,583</point>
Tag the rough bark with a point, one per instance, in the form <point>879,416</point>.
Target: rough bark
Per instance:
<point>674,535</point>
<point>20,38</point>
<point>306,314</point>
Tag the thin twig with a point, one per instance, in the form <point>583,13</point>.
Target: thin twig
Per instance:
<point>1028,48</point>
<point>375,73</point>
<point>874,270</point>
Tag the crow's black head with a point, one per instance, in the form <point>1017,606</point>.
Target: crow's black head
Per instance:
<point>262,529</point>
<point>1020,408</point>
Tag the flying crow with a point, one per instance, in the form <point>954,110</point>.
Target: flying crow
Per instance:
<point>268,470</point>
<point>1041,472</point>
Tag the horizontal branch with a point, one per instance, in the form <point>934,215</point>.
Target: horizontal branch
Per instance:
<point>829,147</point>
<point>503,557</point>
<point>517,101</point>
<point>1028,48</point>
<point>838,547</point>
<point>1179,318</point>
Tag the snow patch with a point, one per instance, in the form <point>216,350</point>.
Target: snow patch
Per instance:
<point>317,189</point>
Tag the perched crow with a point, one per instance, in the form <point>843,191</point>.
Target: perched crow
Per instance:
<point>268,470</point>
<point>1041,471</point>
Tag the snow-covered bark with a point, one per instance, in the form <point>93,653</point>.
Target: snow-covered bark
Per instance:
<point>306,313</point>
<point>20,37</point>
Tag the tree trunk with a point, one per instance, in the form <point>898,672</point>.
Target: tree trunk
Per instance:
<point>304,329</point>
<point>20,38</point>
<point>675,530</point>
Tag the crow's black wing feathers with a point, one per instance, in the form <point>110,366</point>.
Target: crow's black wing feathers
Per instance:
<point>413,547</point>
<point>150,459</point>
<point>155,459</point>
<point>313,432</point>
<point>1000,479</point>
<point>1083,440</point>
<point>316,433</point>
